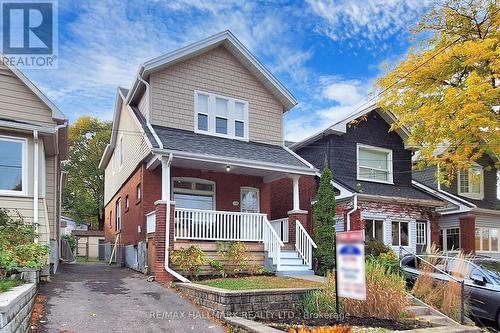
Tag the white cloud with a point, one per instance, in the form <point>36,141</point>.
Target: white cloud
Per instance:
<point>367,22</point>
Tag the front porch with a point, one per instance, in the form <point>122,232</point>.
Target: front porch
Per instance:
<point>230,204</point>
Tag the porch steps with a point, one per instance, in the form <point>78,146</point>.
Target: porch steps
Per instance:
<point>291,263</point>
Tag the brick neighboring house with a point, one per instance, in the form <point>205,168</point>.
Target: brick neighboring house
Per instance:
<point>471,219</point>
<point>197,143</point>
<point>372,170</point>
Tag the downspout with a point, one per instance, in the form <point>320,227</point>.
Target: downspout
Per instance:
<point>354,208</point>
<point>439,177</point>
<point>148,116</point>
<point>35,183</point>
<point>61,177</point>
<point>58,225</point>
<point>166,197</point>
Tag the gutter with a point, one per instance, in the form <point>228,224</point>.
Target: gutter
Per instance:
<point>35,182</point>
<point>354,208</point>
<point>166,197</point>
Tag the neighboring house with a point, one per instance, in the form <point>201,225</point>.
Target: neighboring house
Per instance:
<point>471,219</point>
<point>371,168</point>
<point>33,141</point>
<point>197,142</point>
<point>67,225</point>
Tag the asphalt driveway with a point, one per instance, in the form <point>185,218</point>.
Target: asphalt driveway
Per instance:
<point>99,298</point>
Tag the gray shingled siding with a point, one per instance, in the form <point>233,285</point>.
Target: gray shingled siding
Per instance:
<point>342,158</point>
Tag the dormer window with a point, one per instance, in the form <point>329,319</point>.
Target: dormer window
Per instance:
<point>221,116</point>
<point>471,183</point>
<point>374,164</point>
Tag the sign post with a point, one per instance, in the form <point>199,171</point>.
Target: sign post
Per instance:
<point>350,265</point>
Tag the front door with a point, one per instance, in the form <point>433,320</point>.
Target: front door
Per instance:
<point>249,201</point>
<point>421,237</point>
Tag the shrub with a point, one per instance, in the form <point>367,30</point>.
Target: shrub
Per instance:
<point>189,260</point>
<point>375,248</point>
<point>389,260</point>
<point>17,247</point>
<point>217,267</point>
<point>321,301</point>
<point>234,255</point>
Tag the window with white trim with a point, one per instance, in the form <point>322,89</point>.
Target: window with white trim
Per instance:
<point>374,164</point>
<point>471,183</point>
<point>421,228</point>
<point>220,115</point>
<point>400,233</point>
<point>13,168</point>
<point>374,230</point>
<point>488,239</point>
<point>118,215</point>
<point>194,193</point>
<point>249,200</point>
<point>449,238</point>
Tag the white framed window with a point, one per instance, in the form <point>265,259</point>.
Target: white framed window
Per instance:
<point>374,230</point>
<point>193,193</point>
<point>118,215</point>
<point>471,183</point>
<point>421,233</point>
<point>400,233</point>
<point>220,115</point>
<point>449,238</point>
<point>151,222</point>
<point>374,164</point>
<point>138,193</point>
<point>488,239</point>
<point>249,200</point>
<point>13,166</point>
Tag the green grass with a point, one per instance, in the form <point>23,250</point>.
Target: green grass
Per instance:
<point>7,284</point>
<point>259,282</point>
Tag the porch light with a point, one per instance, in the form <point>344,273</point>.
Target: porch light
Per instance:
<point>228,168</point>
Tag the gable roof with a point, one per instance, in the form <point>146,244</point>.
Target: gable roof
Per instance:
<point>235,47</point>
<point>56,113</point>
<point>340,127</point>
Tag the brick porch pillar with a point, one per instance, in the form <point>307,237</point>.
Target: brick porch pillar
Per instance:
<point>357,223</point>
<point>468,234</point>
<point>434,226</point>
<point>159,241</point>
<point>293,215</point>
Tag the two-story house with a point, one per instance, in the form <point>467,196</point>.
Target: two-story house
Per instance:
<point>33,141</point>
<point>196,143</point>
<point>471,219</point>
<point>372,175</point>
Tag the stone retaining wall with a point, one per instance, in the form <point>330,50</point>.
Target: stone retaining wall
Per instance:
<point>15,308</point>
<point>247,303</point>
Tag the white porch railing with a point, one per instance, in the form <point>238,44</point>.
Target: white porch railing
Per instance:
<point>218,225</point>
<point>272,243</point>
<point>304,244</point>
<point>281,228</point>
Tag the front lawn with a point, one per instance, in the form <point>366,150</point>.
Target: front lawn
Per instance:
<point>259,282</point>
<point>7,284</point>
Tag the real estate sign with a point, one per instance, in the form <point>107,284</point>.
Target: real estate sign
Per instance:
<point>351,264</point>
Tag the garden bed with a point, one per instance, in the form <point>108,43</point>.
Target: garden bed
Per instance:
<point>311,320</point>
<point>259,282</point>
<point>7,284</point>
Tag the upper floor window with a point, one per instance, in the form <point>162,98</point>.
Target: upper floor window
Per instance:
<point>374,164</point>
<point>471,183</point>
<point>13,171</point>
<point>118,215</point>
<point>220,115</point>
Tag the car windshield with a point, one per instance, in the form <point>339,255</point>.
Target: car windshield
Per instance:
<point>491,268</point>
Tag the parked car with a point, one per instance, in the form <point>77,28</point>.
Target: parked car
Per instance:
<point>481,276</point>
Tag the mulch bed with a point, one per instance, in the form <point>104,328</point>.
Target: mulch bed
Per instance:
<point>315,321</point>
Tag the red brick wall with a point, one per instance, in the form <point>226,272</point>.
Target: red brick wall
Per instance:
<point>282,197</point>
<point>132,217</point>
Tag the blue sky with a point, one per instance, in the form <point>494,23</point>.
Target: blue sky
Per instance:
<point>328,53</point>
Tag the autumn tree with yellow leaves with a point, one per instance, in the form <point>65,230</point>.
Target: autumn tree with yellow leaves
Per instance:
<point>446,92</point>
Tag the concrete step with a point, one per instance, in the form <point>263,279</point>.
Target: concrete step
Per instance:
<point>432,319</point>
<point>289,254</point>
<point>295,272</point>
<point>417,311</point>
<point>291,261</point>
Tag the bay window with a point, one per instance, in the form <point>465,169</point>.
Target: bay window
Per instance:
<point>13,169</point>
<point>487,239</point>
<point>220,116</point>
<point>374,164</point>
<point>471,183</point>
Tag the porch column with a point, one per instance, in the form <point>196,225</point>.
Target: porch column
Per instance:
<point>434,226</point>
<point>296,214</point>
<point>468,234</point>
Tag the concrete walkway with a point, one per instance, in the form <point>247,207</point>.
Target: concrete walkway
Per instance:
<point>99,298</point>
